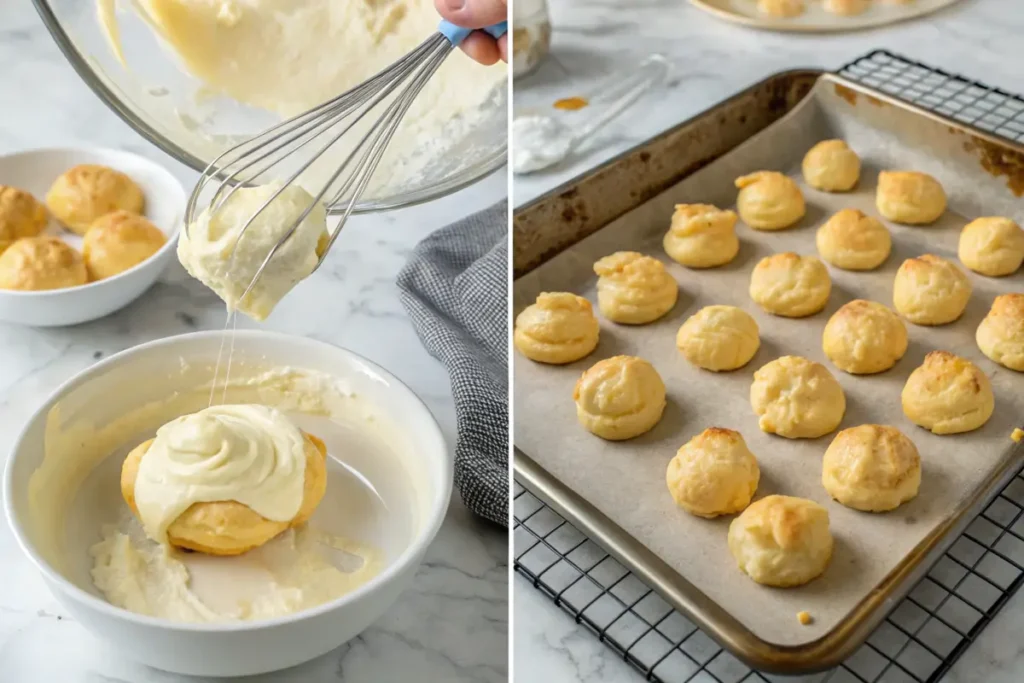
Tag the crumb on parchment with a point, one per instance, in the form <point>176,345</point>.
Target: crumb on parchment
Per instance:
<point>804,618</point>
<point>1017,435</point>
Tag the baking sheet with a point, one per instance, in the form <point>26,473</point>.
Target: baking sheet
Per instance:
<point>626,480</point>
<point>816,18</point>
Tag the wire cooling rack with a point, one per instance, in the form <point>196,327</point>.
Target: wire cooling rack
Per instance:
<point>927,632</point>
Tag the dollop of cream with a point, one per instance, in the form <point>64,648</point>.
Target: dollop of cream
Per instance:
<point>211,251</point>
<point>250,454</point>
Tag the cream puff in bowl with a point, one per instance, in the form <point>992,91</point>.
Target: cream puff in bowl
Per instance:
<point>388,476</point>
<point>124,276</point>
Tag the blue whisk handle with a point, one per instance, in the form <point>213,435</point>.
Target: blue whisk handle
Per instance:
<point>457,34</point>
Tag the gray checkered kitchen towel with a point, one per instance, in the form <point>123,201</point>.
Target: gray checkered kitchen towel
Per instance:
<point>455,289</point>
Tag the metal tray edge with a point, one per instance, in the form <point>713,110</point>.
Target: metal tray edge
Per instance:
<point>834,647</point>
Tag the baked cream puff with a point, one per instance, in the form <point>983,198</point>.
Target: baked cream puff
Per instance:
<point>831,166</point>
<point>713,474</point>
<point>702,236</point>
<point>948,395</point>
<point>225,480</point>
<point>119,241</point>
<point>929,290</point>
<point>558,328</point>
<point>84,193</point>
<point>21,215</point>
<point>909,197</point>
<point>781,541</point>
<point>634,289</point>
<point>769,200</point>
<point>1000,335</point>
<point>852,240</point>
<point>797,398</point>
<point>719,338</point>
<point>790,285</point>
<point>864,337</point>
<point>992,246</point>
<point>619,398</point>
<point>873,468</point>
<point>38,263</point>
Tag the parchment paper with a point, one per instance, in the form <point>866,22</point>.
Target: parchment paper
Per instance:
<point>626,480</point>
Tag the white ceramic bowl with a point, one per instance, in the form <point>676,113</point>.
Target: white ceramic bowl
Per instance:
<point>112,387</point>
<point>34,171</point>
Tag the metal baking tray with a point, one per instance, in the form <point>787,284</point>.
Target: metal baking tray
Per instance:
<point>554,223</point>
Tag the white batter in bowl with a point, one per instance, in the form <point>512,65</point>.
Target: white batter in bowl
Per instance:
<point>167,89</point>
<point>389,482</point>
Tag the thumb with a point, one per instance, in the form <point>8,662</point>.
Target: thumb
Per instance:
<point>473,13</point>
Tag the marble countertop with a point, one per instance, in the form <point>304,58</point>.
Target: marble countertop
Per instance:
<point>451,625</point>
<point>713,59</point>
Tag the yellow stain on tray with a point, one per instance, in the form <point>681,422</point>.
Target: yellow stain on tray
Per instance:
<point>571,103</point>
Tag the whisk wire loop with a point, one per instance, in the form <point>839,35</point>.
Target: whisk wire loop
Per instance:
<point>244,163</point>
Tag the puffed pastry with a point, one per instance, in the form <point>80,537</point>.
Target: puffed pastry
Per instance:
<point>948,395</point>
<point>852,240</point>
<point>227,527</point>
<point>118,241</point>
<point>719,338</point>
<point>873,468</point>
<point>702,236</point>
<point>781,8</point>
<point>84,193</point>
<point>909,197</point>
<point>846,8</point>
<point>781,541</point>
<point>769,200</point>
<point>634,289</point>
<point>21,215</point>
<point>831,166</point>
<point>790,285</point>
<point>797,398</point>
<point>1000,335</point>
<point>559,328</point>
<point>864,337</point>
<point>713,474</point>
<point>619,398</point>
<point>992,246</point>
<point>38,263</point>
<point>929,290</point>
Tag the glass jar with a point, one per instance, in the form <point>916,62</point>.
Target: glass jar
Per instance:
<point>531,35</point>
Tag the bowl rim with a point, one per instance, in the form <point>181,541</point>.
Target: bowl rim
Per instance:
<point>406,559</point>
<point>152,261</point>
<point>80,63</point>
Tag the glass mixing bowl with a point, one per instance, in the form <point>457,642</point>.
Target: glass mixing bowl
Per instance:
<point>171,109</point>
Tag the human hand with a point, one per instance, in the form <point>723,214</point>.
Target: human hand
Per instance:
<point>478,14</point>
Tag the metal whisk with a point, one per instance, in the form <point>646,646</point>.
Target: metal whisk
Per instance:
<point>243,163</point>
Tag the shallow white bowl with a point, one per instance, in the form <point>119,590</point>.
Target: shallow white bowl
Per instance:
<point>113,387</point>
<point>34,171</point>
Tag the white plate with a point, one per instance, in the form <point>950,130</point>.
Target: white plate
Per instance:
<point>34,171</point>
<point>815,18</point>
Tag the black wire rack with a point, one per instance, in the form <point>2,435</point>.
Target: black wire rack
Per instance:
<point>922,638</point>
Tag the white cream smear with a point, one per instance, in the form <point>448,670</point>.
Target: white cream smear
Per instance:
<point>538,142</point>
<point>287,56</point>
<point>250,454</point>
<point>211,251</point>
<point>294,571</point>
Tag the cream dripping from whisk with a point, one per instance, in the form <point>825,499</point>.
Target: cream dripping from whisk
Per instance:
<point>205,248</point>
<point>250,454</point>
